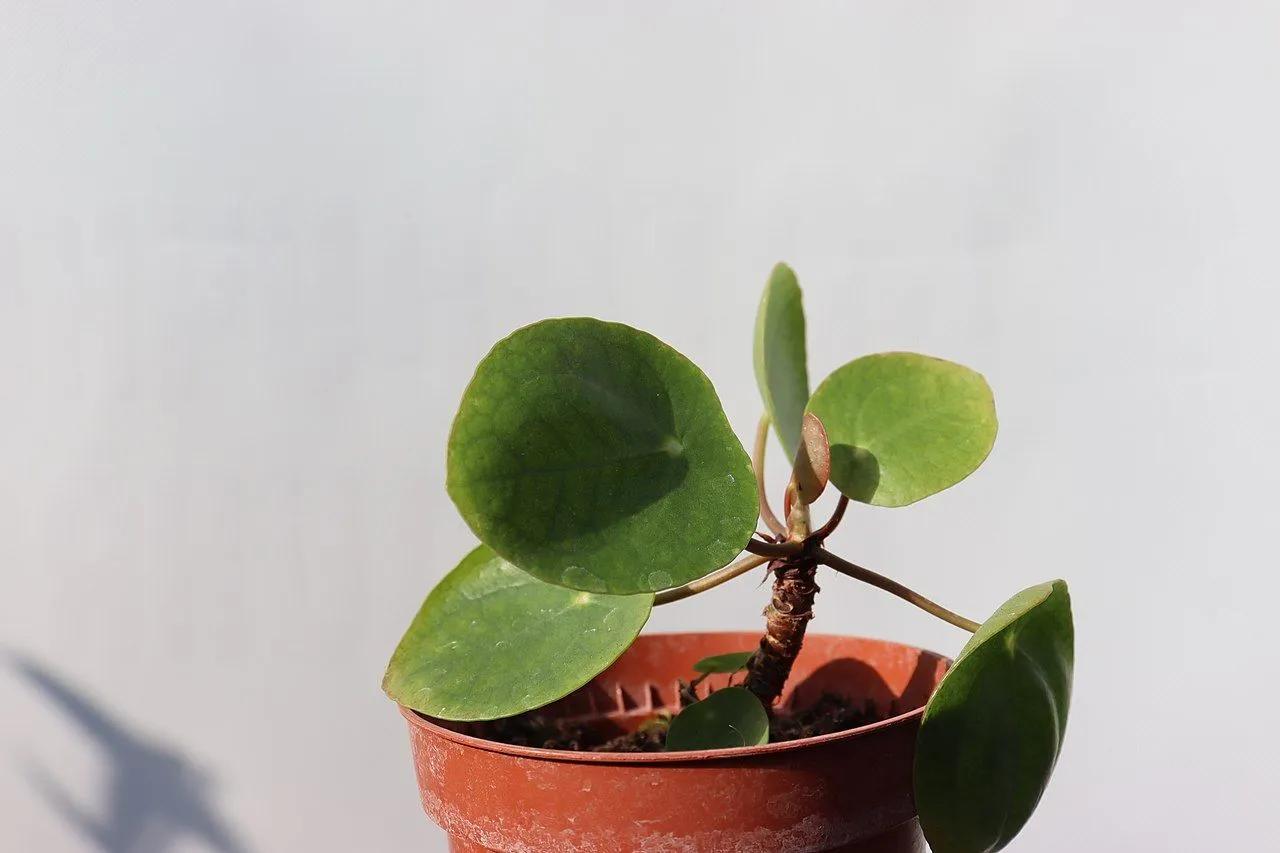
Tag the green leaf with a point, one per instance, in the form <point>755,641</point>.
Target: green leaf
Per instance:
<point>491,641</point>
<point>726,719</point>
<point>780,361</point>
<point>594,456</point>
<point>728,662</point>
<point>904,426</point>
<point>993,729</point>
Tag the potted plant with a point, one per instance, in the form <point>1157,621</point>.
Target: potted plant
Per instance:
<point>595,465</point>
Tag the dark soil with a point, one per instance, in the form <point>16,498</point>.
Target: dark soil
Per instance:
<point>546,733</point>
<point>831,713</point>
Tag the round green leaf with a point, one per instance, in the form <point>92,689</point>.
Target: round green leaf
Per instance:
<point>992,731</point>
<point>491,641</point>
<point>594,456</point>
<point>780,360</point>
<point>729,662</point>
<point>904,426</point>
<point>726,719</point>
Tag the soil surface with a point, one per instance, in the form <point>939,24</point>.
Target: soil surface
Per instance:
<point>831,713</point>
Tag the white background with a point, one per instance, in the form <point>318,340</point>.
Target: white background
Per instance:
<point>250,252</point>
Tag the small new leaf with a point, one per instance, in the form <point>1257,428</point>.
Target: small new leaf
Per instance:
<point>812,466</point>
<point>491,641</point>
<point>993,729</point>
<point>728,662</point>
<point>726,719</point>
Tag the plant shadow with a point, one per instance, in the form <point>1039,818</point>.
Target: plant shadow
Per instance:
<point>859,682</point>
<point>857,471</point>
<point>154,796</point>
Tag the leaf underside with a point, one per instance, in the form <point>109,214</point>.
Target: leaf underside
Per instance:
<point>491,641</point>
<point>812,467</point>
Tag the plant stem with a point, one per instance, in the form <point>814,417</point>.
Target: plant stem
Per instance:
<point>786,618</point>
<point>834,521</point>
<point>797,515</point>
<point>893,587</point>
<point>714,579</point>
<point>757,463</point>
<point>776,550</point>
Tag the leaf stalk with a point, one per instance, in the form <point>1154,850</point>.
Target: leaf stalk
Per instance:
<point>710,581</point>
<point>892,587</point>
<point>757,463</point>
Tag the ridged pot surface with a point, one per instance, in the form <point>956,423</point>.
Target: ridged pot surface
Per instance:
<point>849,791</point>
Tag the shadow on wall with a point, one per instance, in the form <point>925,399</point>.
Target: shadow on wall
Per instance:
<point>153,796</point>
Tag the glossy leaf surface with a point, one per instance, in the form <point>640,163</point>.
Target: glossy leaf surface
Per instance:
<point>594,456</point>
<point>904,426</point>
<point>993,729</point>
<point>491,641</point>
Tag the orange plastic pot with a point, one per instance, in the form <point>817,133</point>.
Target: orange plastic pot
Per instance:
<point>849,791</point>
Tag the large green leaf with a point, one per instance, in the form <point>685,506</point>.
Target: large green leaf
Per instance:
<point>903,426</point>
<point>594,456</point>
<point>491,641</point>
<point>993,729</point>
<point>780,360</point>
<point>728,718</point>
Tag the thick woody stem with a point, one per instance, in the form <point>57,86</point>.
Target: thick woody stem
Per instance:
<point>786,618</point>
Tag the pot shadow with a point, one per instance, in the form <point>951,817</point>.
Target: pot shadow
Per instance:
<point>858,470</point>
<point>154,795</point>
<point>859,682</point>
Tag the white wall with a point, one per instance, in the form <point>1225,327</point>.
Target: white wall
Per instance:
<point>249,253</point>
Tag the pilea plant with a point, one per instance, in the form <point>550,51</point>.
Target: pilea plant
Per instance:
<point>599,471</point>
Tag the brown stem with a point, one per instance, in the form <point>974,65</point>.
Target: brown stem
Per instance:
<point>777,550</point>
<point>833,522</point>
<point>894,588</point>
<point>719,576</point>
<point>786,618</point>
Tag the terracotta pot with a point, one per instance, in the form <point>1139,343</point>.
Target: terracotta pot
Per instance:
<point>849,791</point>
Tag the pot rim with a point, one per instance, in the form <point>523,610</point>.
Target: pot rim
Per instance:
<point>429,725</point>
